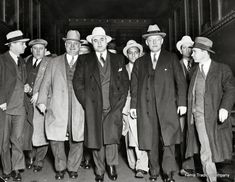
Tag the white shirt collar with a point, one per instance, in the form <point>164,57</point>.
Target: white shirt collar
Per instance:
<point>14,57</point>
<point>155,53</point>
<point>206,66</point>
<point>69,57</point>
<point>104,54</point>
<point>34,60</point>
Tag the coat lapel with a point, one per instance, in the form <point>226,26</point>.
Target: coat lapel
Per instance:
<point>212,72</point>
<point>93,66</point>
<point>10,63</point>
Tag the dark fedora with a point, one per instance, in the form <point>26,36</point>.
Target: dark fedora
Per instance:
<point>203,43</point>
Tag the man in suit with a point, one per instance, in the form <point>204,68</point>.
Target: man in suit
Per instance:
<point>12,80</point>
<point>137,159</point>
<point>158,94</point>
<point>184,47</point>
<point>211,97</point>
<point>65,115</point>
<point>101,84</point>
<point>34,127</point>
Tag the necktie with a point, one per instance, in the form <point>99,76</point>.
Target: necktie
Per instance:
<point>189,66</point>
<point>71,62</point>
<point>154,58</point>
<point>18,61</point>
<point>35,63</point>
<point>102,59</point>
<point>202,70</point>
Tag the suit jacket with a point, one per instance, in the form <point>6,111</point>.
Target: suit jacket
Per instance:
<point>170,91</point>
<point>8,82</point>
<point>219,93</point>
<point>53,93</point>
<point>87,87</point>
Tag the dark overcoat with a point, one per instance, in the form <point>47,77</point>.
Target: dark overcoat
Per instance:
<point>8,82</point>
<point>219,93</point>
<point>87,88</point>
<point>170,91</point>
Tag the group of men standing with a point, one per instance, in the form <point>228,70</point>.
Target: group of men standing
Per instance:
<point>81,99</point>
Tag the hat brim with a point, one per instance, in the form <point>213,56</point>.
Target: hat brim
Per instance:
<point>90,37</point>
<point>145,36</point>
<point>20,40</point>
<point>71,39</point>
<point>133,45</point>
<point>203,48</point>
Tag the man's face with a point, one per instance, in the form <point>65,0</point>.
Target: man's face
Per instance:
<point>154,43</point>
<point>199,55</point>
<point>72,47</point>
<point>99,43</point>
<point>133,53</point>
<point>186,50</point>
<point>38,51</point>
<point>18,47</point>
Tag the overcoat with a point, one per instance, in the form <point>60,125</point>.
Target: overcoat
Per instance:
<point>170,91</point>
<point>39,135</point>
<point>7,82</point>
<point>219,93</point>
<point>87,87</point>
<point>55,84</point>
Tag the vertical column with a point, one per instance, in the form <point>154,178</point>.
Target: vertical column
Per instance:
<point>199,8</point>
<point>17,13</point>
<point>31,18</point>
<point>219,9</point>
<point>186,15</point>
<point>38,19</point>
<point>3,10</point>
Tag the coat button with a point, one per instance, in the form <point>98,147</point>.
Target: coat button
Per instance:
<point>147,113</point>
<point>118,88</point>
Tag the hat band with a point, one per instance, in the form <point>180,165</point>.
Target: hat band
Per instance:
<point>15,38</point>
<point>201,46</point>
<point>155,31</point>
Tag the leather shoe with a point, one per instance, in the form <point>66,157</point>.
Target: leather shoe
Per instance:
<point>16,176</point>
<point>112,173</point>
<point>87,164</point>
<point>73,174</point>
<point>6,177</point>
<point>169,178</point>
<point>37,169</point>
<point>140,173</point>
<point>29,163</point>
<point>59,175</point>
<point>153,177</point>
<point>99,178</point>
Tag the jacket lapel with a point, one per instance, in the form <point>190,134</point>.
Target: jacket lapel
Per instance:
<point>10,63</point>
<point>93,66</point>
<point>212,72</point>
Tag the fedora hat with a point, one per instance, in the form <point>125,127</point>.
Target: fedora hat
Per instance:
<point>132,43</point>
<point>38,41</point>
<point>72,35</point>
<point>185,40</point>
<point>203,43</point>
<point>153,30</point>
<point>15,36</point>
<point>98,31</point>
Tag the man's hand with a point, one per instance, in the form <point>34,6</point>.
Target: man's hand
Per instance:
<point>223,115</point>
<point>181,110</point>
<point>27,88</point>
<point>34,98</point>
<point>133,113</point>
<point>3,106</point>
<point>42,108</point>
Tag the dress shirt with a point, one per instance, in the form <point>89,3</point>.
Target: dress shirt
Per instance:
<point>69,59</point>
<point>156,57</point>
<point>14,57</point>
<point>206,66</point>
<point>104,55</point>
<point>34,60</point>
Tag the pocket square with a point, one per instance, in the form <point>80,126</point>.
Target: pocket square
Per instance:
<point>165,69</point>
<point>120,69</point>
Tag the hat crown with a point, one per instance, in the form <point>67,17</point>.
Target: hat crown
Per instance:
<point>186,39</point>
<point>203,40</point>
<point>73,35</point>
<point>152,28</point>
<point>38,41</point>
<point>98,31</point>
<point>13,34</point>
<point>131,42</point>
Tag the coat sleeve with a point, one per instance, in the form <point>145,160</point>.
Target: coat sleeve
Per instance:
<point>134,85</point>
<point>44,89</point>
<point>228,86</point>
<point>2,82</point>
<point>79,81</point>
<point>180,82</point>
